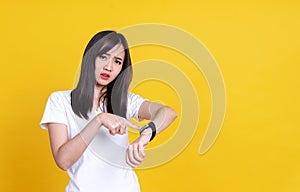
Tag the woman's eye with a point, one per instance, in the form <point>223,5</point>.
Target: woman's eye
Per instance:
<point>103,57</point>
<point>118,62</point>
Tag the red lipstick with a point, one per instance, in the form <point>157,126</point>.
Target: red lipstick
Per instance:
<point>104,76</point>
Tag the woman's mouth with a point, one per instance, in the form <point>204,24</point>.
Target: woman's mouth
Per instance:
<point>104,76</point>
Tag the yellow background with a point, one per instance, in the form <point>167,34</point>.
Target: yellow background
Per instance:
<point>256,44</point>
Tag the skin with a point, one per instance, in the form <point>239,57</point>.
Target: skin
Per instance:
<point>109,63</point>
<point>67,152</point>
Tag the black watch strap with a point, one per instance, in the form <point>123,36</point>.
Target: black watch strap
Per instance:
<point>153,128</point>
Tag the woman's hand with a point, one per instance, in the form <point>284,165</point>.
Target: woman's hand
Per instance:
<point>135,154</point>
<point>115,124</point>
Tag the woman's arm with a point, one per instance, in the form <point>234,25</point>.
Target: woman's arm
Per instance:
<point>162,116</point>
<point>67,152</point>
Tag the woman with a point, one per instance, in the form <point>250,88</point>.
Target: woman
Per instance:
<point>88,125</point>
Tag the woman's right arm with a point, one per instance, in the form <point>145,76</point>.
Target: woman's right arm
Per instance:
<point>67,152</point>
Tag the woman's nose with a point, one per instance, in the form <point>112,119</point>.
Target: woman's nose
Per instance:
<point>108,65</point>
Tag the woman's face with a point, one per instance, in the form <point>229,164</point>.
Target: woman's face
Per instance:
<point>109,65</point>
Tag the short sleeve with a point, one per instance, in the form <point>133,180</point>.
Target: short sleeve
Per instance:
<point>133,105</point>
<point>54,111</point>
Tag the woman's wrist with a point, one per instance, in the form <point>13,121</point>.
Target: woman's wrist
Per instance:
<point>99,119</point>
<point>150,128</point>
<point>147,133</point>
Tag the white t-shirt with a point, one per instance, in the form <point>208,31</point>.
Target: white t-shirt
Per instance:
<point>102,167</point>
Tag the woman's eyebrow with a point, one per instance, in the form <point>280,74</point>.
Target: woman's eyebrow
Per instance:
<point>115,56</point>
<point>119,58</point>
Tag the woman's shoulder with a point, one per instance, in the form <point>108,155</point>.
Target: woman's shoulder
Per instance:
<point>131,94</point>
<point>61,95</point>
<point>133,98</point>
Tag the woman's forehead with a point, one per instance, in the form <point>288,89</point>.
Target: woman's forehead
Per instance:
<point>117,50</point>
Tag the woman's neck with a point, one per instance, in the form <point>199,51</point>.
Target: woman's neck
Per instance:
<point>98,95</point>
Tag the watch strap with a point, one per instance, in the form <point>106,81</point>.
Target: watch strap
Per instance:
<point>153,128</point>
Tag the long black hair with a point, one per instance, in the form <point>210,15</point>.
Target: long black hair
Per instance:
<point>116,91</point>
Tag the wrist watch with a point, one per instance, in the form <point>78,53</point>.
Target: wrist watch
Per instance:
<point>153,128</point>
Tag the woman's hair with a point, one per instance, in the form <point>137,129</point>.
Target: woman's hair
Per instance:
<point>116,94</point>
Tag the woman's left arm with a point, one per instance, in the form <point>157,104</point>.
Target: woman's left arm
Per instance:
<point>162,116</point>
